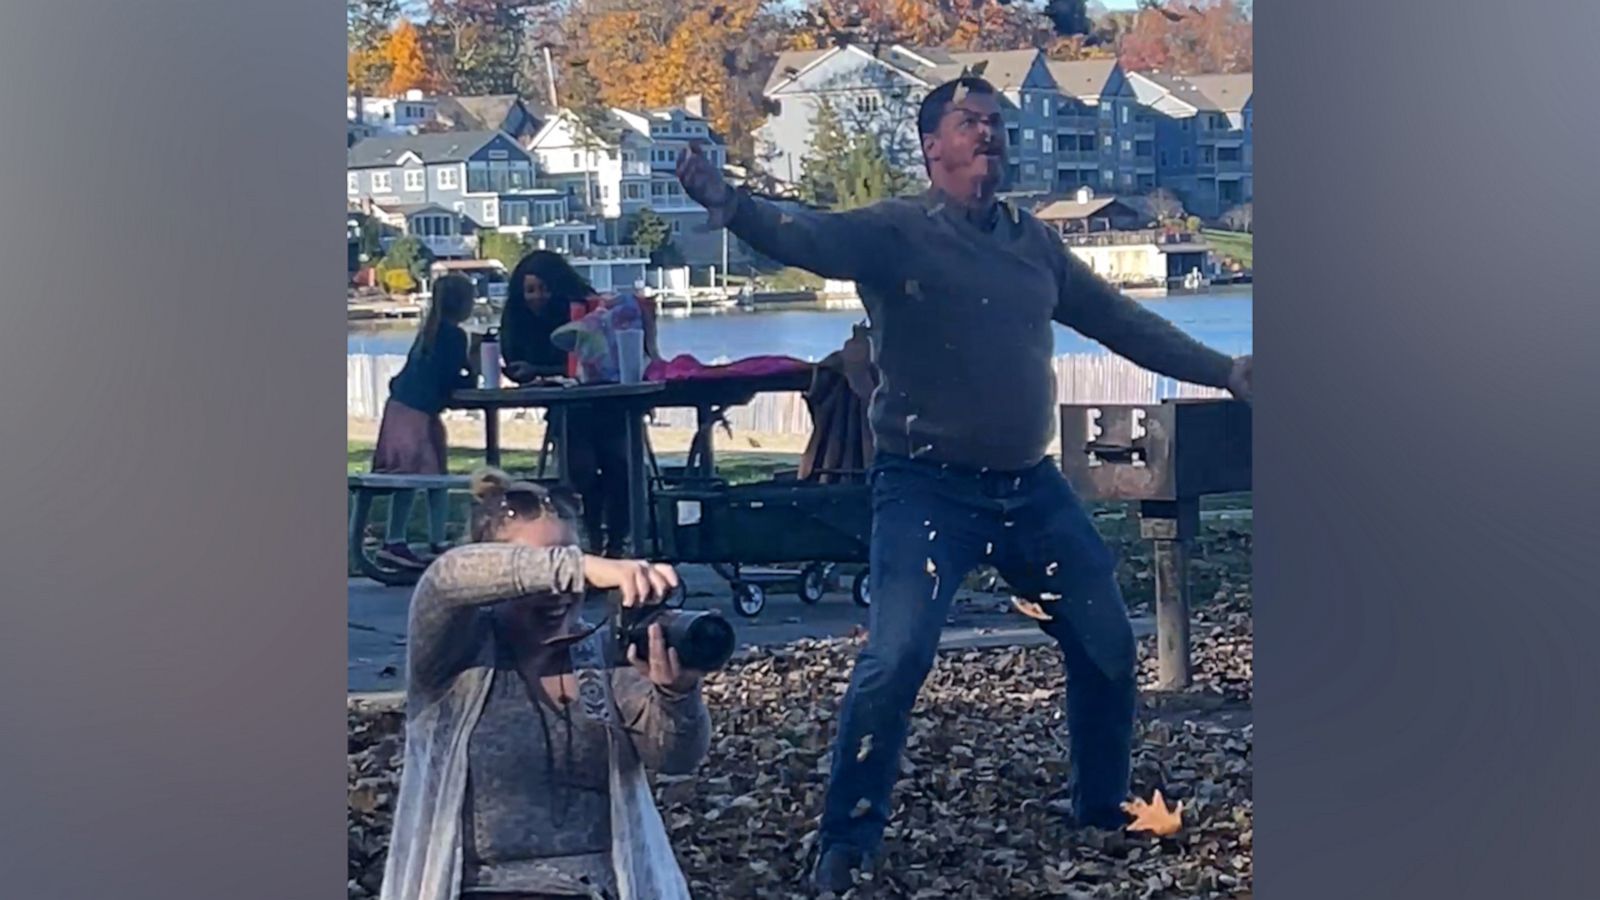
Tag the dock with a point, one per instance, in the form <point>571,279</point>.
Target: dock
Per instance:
<point>370,310</point>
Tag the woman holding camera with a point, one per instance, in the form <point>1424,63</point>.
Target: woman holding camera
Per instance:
<point>525,747</point>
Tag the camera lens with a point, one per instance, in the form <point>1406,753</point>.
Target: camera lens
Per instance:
<point>704,640</point>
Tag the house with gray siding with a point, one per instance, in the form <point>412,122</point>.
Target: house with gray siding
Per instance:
<point>879,93</point>
<point>1108,140</point>
<point>1068,124</point>
<point>447,188</point>
<point>1204,143</point>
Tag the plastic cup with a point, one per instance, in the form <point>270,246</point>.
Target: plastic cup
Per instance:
<point>630,355</point>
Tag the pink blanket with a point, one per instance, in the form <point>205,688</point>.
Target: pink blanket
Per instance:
<point>687,368</point>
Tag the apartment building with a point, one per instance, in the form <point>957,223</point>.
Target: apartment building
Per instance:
<point>1204,142</point>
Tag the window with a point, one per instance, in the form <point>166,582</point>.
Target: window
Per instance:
<point>1186,124</point>
<point>352,183</point>
<point>1127,179</point>
<point>1108,111</point>
<point>1127,146</point>
<point>380,182</point>
<point>491,212</point>
<point>448,179</point>
<point>1106,141</point>
<point>867,104</point>
<point>414,180</point>
<point>605,192</point>
<point>1028,169</point>
<point>1045,143</point>
<point>677,226</point>
<point>1124,115</point>
<point>1046,102</point>
<point>1108,178</point>
<point>1184,158</point>
<point>1164,157</point>
<point>633,190</point>
<point>1027,134</point>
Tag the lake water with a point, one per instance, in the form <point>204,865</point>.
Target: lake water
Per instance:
<point>1220,319</point>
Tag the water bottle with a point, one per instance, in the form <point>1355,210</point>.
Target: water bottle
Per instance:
<point>489,358</point>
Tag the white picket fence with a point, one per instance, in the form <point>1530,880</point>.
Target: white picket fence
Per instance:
<point>1080,378</point>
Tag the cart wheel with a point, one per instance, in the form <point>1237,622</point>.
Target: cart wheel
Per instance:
<point>749,600</point>
<point>860,590</point>
<point>813,583</point>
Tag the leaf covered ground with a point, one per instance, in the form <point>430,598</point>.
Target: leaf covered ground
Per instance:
<point>972,814</point>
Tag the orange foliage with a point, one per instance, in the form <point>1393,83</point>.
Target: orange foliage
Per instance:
<point>409,68</point>
<point>641,58</point>
<point>951,24</point>
<point>1195,37</point>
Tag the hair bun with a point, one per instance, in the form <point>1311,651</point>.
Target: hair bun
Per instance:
<point>488,483</point>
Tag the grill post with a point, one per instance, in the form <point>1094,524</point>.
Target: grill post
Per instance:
<point>1171,527</point>
<point>1164,457</point>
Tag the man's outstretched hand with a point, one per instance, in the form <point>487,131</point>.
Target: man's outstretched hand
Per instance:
<point>701,180</point>
<point>1239,380</point>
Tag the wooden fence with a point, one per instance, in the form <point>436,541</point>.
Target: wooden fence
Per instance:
<point>1080,378</point>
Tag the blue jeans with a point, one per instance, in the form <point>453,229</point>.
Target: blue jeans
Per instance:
<point>932,525</point>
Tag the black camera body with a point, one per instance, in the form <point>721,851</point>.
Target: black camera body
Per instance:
<point>703,638</point>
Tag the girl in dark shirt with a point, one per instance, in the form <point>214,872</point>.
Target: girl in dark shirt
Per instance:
<point>539,300</point>
<point>411,440</point>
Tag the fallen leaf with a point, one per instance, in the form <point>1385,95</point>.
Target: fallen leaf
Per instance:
<point>1154,817</point>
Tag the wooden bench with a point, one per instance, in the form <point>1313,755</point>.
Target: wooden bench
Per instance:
<point>367,487</point>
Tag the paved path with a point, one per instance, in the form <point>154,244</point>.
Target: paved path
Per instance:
<point>377,623</point>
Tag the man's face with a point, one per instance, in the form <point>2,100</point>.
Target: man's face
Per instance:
<point>966,154</point>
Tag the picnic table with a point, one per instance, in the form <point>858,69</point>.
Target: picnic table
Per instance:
<point>709,397</point>
<point>630,401</point>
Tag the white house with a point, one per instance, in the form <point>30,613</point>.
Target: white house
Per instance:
<point>629,167</point>
<point>391,115</point>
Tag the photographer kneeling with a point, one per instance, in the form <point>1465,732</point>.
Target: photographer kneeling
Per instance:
<point>527,731</point>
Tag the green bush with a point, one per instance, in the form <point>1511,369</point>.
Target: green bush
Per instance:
<point>509,249</point>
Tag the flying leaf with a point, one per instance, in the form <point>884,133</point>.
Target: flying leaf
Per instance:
<point>1030,609</point>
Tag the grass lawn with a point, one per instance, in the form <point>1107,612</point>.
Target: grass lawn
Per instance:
<point>738,468</point>
<point>1221,554</point>
<point>1237,244</point>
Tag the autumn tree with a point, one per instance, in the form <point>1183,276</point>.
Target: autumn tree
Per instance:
<point>367,25</point>
<point>408,67</point>
<point>1191,38</point>
<point>478,45</point>
<point>657,52</point>
<point>950,24</point>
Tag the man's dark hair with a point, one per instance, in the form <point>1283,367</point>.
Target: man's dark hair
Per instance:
<point>939,99</point>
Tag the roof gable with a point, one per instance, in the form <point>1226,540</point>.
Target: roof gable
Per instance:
<point>430,149</point>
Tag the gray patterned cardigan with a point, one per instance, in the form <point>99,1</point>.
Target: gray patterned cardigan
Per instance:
<point>447,683</point>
